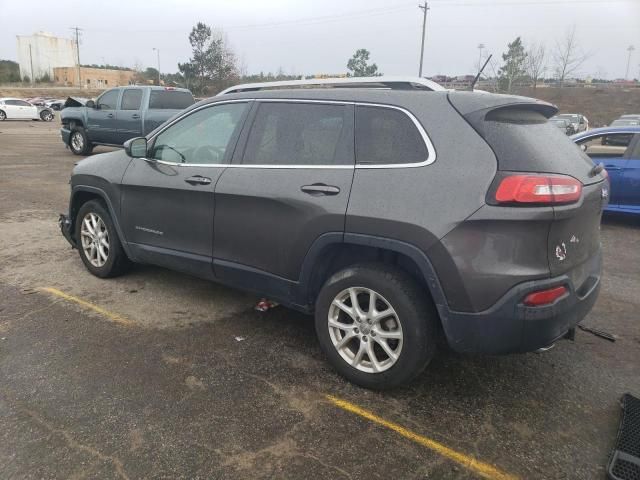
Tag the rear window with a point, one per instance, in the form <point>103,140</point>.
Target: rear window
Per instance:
<point>386,136</point>
<point>525,141</point>
<point>170,100</point>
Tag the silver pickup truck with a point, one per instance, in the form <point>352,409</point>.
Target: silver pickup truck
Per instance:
<point>120,114</point>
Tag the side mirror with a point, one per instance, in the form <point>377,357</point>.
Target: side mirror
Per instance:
<point>90,104</point>
<point>136,147</point>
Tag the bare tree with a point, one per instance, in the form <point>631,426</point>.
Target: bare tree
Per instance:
<point>536,62</point>
<point>568,57</point>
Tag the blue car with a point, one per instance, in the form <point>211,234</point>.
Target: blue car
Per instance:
<point>618,148</point>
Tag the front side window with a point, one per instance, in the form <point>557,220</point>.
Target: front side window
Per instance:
<point>386,136</point>
<point>131,99</point>
<point>611,145</point>
<point>108,100</point>
<point>202,137</point>
<point>297,134</point>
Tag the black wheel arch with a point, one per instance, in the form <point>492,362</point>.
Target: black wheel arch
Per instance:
<point>335,251</point>
<point>81,194</point>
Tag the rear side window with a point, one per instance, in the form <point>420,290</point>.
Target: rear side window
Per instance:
<point>297,134</point>
<point>131,99</point>
<point>169,100</point>
<point>386,136</point>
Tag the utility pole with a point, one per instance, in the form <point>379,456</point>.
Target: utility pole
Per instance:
<point>31,62</point>
<point>630,49</point>
<point>424,9</point>
<point>480,47</point>
<point>77,30</point>
<point>158,51</point>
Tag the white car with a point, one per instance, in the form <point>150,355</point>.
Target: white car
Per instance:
<point>16,109</point>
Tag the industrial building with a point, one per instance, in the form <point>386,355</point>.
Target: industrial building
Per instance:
<point>92,77</point>
<point>40,53</point>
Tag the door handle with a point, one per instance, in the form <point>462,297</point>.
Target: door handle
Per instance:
<point>109,115</point>
<point>198,180</point>
<point>135,116</point>
<point>612,167</point>
<point>318,189</point>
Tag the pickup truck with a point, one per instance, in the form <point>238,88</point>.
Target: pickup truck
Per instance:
<point>120,114</point>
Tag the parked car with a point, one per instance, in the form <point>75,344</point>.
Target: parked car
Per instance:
<point>17,109</point>
<point>563,124</point>
<point>393,214</point>
<point>618,148</point>
<point>580,122</point>
<point>120,114</point>
<point>625,122</point>
<point>56,105</point>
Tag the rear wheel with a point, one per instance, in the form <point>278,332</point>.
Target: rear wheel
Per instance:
<point>98,243</point>
<point>79,142</point>
<point>375,325</point>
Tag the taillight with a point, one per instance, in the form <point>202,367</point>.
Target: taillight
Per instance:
<point>548,189</point>
<point>544,297</point>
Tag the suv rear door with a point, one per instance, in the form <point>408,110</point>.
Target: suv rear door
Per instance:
<point>288,185</point>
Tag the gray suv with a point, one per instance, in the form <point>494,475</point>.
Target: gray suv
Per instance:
<point>394,211</point>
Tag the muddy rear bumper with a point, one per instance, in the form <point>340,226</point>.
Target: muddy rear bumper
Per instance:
<point>511,327</point>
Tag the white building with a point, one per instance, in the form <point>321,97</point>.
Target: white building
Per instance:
<point>40,53</point>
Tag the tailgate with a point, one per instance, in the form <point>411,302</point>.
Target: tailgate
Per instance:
<point>574,236</point>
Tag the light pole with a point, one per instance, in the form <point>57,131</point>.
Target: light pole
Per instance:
<point>480,47</point>
<point>630,49</point>
<point>157,50</point>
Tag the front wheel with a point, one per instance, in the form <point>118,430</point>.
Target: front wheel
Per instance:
<point>376,325</point>
<point>79,142</point>
<point>3,116</point>
<point>98,243</point>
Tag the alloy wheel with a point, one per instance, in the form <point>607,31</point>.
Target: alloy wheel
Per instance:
<point>365,329</point>
<point>95,239</point>
<point>77,141</point>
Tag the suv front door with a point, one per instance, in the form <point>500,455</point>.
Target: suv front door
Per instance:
<point>167,198</point>
<point>103,119</point>
<point>288,185</point>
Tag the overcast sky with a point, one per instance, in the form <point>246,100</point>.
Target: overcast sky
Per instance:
<point>309,37</point>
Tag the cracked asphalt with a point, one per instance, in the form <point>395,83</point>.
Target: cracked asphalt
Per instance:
<point>198,385</point>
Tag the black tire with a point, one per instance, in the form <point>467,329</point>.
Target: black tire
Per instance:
<point>416,313</point>
<point>46,116</point>
<point>82,146</point>
<point>117,261</point>
<point>3,116</point>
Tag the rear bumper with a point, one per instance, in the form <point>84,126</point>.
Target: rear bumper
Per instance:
<point>65,227</point>
<point>511,327</point>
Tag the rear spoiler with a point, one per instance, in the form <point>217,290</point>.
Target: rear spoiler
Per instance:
<point>467,103</point>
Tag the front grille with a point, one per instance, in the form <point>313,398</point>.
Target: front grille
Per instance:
<point>625,459</point>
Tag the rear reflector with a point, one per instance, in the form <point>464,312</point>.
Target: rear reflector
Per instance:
<point>544,297</point>
<point>547,189</point>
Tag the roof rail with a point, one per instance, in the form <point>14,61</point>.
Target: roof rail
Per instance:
<point>394,83</point>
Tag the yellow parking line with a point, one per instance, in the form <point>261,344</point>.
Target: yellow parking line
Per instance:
<point>485,470</point>
<point>110,315</point>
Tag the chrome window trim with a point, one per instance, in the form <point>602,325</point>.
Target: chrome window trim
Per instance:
<point>601,134</point>
<point>431,152</point>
